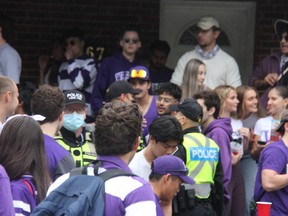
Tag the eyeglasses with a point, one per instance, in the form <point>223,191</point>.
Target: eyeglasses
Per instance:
<point>165,145</point>
<point>72,110</point>
<point>70,42</point>
<point>280,37</point>
<point>130,40</point>
<point>138,74</point>
<point>166,100</point>
<point>176,149</point>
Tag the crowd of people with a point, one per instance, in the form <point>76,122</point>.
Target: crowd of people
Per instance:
<point>192,141</point>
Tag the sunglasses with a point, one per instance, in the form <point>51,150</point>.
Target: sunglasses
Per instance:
<point>130,40</point>
<point>70,42</point>
<point>280,37</point>
<point>138,74</point>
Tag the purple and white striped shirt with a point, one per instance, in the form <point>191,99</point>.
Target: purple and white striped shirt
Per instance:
<point>80,74</point>
<point>24,195</point>
<point>125,195</point>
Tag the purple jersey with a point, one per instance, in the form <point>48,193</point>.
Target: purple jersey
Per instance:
<point>60,161</point>
<point>24,195</point>
<point>273,157</point>
<point>6,208</point>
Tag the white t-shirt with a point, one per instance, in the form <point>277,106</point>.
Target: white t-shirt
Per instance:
<point>222,69</point>
<point>264,126</point>
<point>237,142</point>
<point>140,166</point>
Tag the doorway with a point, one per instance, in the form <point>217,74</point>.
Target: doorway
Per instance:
<point>237,22</point>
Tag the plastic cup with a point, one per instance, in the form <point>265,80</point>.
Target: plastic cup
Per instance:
<point>263,208</point>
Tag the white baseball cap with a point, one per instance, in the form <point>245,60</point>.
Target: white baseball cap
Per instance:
<point>205,23</point>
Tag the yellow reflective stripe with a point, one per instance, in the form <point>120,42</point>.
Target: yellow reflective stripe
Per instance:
<point>86,152</point>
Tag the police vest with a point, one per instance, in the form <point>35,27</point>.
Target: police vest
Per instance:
<point>142,144</point>
<point>202,156</point>
<point>82,155</point>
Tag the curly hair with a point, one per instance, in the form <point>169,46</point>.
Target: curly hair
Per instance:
<point>211,99</point>
<point>118,126</point>
<point>48,101</point>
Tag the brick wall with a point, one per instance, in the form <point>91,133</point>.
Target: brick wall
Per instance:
<point>37,23</point>
<point>265,39</point>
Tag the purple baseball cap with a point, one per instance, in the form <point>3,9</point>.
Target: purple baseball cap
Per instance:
<point>169,164</point>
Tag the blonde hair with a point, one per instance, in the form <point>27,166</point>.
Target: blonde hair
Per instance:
<point>222,91</point>
<point>190,85</point>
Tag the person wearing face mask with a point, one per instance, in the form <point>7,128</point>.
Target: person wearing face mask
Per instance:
<point>73,135</point>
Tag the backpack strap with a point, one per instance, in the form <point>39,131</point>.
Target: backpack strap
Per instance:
<point>111,173</point>
<point>78,171</point>
<point>28,185</point>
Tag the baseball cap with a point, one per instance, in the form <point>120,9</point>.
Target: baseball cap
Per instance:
<point>169,164</point>
<point>139,72</point>
<point>284,118</point>
<point>205,23</point>
<point>120,87</point>
<point>281,26</point>
<point>74,97</point>
<point>189,108</point>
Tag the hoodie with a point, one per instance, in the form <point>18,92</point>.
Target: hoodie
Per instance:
<point>111,69</point>
<point>269,64</point>
<point>220,131</point>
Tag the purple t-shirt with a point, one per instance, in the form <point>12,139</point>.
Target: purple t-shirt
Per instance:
<point>6,208</point>
<point>24,195</point>
<point>159,210</point>
<point>60,161</point>
<point>273,157</point>
<point>150,116</point>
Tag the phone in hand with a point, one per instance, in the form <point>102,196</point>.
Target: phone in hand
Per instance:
<point>261,142</point>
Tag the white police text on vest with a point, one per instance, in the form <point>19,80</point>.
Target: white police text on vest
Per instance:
<point>206,154</point>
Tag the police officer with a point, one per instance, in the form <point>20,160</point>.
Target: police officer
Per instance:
<point>202,160</point>
<point>73,135</point>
